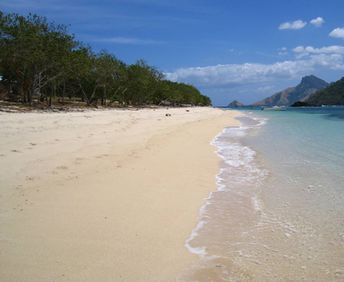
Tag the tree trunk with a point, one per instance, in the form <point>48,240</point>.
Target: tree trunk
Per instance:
<point>21,93</point>
<point>103,101</point>
<point>29,97</point>
<point>63,90</point>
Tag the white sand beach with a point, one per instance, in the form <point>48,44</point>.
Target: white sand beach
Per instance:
<point>104,195</point>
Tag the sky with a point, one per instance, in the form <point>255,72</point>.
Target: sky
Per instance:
<point>235,49</point>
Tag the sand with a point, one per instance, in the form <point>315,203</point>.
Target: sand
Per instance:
<point>104,195</point>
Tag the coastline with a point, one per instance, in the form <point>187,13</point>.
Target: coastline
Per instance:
<point>105,196</point>
<point>227,210</point>
<point>277,212</point>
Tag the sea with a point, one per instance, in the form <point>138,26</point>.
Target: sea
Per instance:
<point>278,212</point>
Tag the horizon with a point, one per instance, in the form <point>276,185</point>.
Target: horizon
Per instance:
<point>217,47</point>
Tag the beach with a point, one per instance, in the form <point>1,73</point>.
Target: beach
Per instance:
<point>106,195</point>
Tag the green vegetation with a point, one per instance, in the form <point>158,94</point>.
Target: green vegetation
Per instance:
<point>41,63</point>
<point>300,104</point>
<point>331,95</point>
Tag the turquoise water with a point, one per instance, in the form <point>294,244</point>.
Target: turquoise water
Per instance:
<point>278,214</point>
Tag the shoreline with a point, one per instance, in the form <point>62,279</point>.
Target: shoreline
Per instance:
<point>267,210</point>
<point>16,107</point>
<point>226,210</point>
<point>104,197</point>
<point>200,251</point>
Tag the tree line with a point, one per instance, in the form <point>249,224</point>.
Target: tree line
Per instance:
<point>41,62</point>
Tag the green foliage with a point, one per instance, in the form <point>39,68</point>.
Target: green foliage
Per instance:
<point>33,53</point>
<point>180,93</point>
<point>331,95</point>
<point>41,61</point>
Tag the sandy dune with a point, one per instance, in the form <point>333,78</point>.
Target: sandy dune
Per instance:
<point>103,195</point>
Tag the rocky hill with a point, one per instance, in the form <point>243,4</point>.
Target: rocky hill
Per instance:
<point>235,104</point>
<point>308,86</point>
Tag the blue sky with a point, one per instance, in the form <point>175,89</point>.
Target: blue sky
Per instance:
<point>234,49</point>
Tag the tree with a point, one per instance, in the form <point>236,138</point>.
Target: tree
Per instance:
<point>34,53</point>
<point>109,71</point>
<point>142,83</point>
<point>41,61</point>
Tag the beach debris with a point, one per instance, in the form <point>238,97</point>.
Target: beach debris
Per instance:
<point>62,167</point>
<point>167,115</point>
<point>311,188</point>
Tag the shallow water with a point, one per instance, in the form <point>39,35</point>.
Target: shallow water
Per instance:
<point>278,214</point>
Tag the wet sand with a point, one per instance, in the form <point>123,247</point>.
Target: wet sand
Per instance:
<point>104,195</point>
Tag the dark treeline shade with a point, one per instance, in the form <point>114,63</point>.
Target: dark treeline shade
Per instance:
<point>41,62</point>
<point>331,95</point>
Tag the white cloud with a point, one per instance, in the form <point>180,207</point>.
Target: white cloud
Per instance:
<point>248,73</point>
<point>337,33</point>
<point>128,40</point>
<point>283,51</point>
<point>307,50</point>
<point>298,24</point>
<point>318,22</point>
<point>249,80</point>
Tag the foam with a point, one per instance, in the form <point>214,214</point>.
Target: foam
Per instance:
<point>201,251</point>
<point>239,163</point>
<point>239,160</point>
